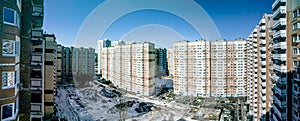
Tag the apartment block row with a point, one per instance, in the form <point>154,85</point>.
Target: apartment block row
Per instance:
<point>273,64</point>
<point>130,66</point>
<point>209,68</point>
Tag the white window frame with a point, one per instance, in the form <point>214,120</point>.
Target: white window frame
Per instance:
<point>9,118</point>
<point>16,18</point>
<point>16,47</point>
<point>13,79</point>
<point>19,4</point>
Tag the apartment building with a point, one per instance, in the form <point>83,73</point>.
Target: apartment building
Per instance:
<point>293,34</point>
<point>258,68</point>
<point>130,67</point>
<point>161,62</point>
<point>10,34</point>
<point>210,69</point>
<point>83,66</point>
<point>50,72</point>
<point>251,80</point>
<point>279,58</point>
<point>102,44</point>
<point>58,63</point>
<point>170,60</point>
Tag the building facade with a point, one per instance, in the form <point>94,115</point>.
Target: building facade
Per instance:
<point>210,69</point>
<point>161,62</point>
<point>83,66</point>
<point>170,61</point>
<point>259,83</point>
<point>102,44</point>
<point>10,34</point>
<point>130,67</point>
<point>293,34</point>
<point>279,58</point>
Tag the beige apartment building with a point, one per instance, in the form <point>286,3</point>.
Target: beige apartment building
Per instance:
<point>170,60</point>
<point>130,66</point>
<point>209,69</point>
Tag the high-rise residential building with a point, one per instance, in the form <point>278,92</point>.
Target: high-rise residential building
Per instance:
<point>170,61</point>
<point>59,63</point>
<point>130,67</point>
<point>280,58</point>
<point>10,34</point>
<point>102,44</point>
<point>162,62</point>
<point>83,65</point>
<point>32,61</point>
<point>210,69</point>
<point>50,73</point>
<point>293,54</point>
<point>259,84</point>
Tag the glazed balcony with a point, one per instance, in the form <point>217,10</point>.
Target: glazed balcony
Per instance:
<point>281,10</point>
<point>280,33</point>
<point>279,56</point>
<point>280,22</point>
<point>277,3</point>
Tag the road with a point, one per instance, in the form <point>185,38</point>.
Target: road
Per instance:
<point>64,108</point>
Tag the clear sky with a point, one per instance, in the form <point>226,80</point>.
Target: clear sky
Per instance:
<point>233,18</point>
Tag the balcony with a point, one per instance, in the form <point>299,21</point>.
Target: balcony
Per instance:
<point>279,102</point>
<point>262,41</point>
<point>262,35</point>
<point>280,57</point>
<point>263,69</point>
<point>36,109</point>
<point>38,15</point>
<point>297,77</point>
<point>277,3</point>
<point>296,92</point>
<point>280,22</point>
<point>263,48</point>
<point>264,92</point>
<point>264,78</point>
<point>263,21</point>
<point>263,62</point>
<point>281,10</point>
<point>280,91</point>
<point>296,117</point>
<point>280,68</point>
<point>280,33</point>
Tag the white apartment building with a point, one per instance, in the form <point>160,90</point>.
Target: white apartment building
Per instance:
<point>259,63</point>
<point>209,69</point>
<point>102,44</point>
<point>130,67</point>
<point>170,60</point>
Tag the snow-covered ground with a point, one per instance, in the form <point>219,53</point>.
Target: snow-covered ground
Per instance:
<point>91,103</point>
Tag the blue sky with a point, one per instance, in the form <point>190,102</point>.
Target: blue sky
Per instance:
<point>233,18</point>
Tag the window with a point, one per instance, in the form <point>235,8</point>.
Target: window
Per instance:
<point>10,48</point>
<point>7,111</point>
<point>11,17</point>
<point>8,79</point>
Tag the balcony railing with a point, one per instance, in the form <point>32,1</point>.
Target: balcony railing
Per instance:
<point>277,2</point>
<point>279,56</point>
<point>280,68</point>
<point>263,41</point>
<point>280,33</point>
<point>280,91</point>
<point>262,35</point>
<point>279,22</point>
